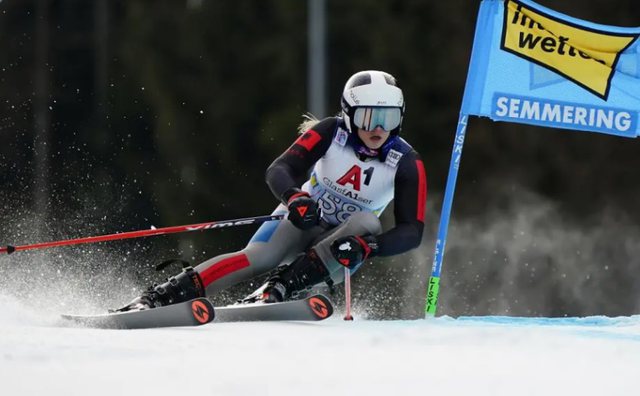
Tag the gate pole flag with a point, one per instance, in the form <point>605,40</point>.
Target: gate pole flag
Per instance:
<point>532,65</point>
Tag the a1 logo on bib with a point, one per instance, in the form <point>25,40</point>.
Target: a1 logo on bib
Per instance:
<point>354,177</point>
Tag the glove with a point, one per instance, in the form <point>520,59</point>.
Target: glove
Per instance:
<point>352,250</point>
<point>304,212</point>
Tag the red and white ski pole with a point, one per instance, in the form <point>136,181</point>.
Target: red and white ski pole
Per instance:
<point>145,233</point>
<point>347,294</point>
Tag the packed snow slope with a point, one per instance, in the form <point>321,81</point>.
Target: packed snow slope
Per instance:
<point>42,355</point>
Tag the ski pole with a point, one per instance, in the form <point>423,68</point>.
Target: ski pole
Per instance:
<point>347,294</point>
<point>145,233</point>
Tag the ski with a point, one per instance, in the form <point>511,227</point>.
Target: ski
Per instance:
<point>313,308</point>
<point>200,311</point>
<point>190,313</point>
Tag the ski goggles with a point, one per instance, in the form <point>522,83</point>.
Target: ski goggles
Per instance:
<point>368,118</point>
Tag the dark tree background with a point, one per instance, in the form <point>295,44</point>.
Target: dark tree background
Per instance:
<point>118,115</point>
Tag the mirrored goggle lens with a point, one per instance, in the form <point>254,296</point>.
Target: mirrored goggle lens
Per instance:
<point>368,118</point>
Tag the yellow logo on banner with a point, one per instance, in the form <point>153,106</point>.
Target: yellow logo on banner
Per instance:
<point>584,56</point>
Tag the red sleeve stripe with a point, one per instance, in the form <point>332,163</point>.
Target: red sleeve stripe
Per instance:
<point>422,190</point>
<point>223,267</point>
<point>309,139</point>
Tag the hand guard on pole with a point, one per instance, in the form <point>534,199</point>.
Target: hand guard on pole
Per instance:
<point>352,250</point>
<point>304,212</point>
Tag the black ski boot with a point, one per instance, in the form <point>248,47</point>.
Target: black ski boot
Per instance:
<point>185,286</point>
<point>306,271</point>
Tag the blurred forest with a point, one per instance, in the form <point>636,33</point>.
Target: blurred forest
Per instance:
<point>116,115</point>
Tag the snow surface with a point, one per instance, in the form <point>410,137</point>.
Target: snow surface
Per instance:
<point>42,355</point>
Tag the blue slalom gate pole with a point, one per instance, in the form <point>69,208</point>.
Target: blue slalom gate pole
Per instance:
<point>433,288</point>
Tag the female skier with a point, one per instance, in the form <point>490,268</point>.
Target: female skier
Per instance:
<point>358,164</point>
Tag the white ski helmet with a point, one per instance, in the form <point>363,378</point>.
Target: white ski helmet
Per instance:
<point>372,98</point>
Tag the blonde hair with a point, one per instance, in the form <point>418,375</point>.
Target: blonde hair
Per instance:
<point>308,122</point>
